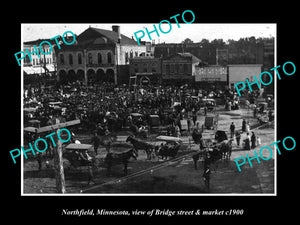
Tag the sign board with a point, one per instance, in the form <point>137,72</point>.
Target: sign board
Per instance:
<point>211,73</point>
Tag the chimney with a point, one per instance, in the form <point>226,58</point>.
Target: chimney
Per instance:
<point>116,29</point>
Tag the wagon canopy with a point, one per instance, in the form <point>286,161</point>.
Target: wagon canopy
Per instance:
<point>78,147</point>
<point>168,138</point>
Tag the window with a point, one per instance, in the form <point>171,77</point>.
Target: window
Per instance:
<point>172,68</point>
<point>79,58</point>
<point>99,56</point>
<point>145,68</point>
<point>131,54</point>
<point>154,67</point>
<point>180,68</point>
<point>126,57</point>
<point>176,68</point>
<point>108,57</point>
<point>167,69</point>
<point>90,58</point>
<point>62,59</point>
<point>136,68</point>
<point>185,68</point>
<point>70,59</point>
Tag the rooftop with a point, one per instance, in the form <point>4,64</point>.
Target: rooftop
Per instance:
<point>112,36</point>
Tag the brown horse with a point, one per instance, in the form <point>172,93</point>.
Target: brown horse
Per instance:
<point>141,145</point>
<point>226,149</point>
<point>119,158</point>
<point>217,152</point>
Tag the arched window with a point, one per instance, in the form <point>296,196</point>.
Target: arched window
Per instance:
<point>108,57</point>
<point>90,58</point>
<point>99,56</point>
<point>70,59</point>
<point>131,54</point>
<point>79,58</point>
<point>145,69</point>
<point>62,59</point>
<point>167,69</point>
<point>126,57</point>
<point>154,65</point>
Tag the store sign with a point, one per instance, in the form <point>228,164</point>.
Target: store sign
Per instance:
<point>211,73</point>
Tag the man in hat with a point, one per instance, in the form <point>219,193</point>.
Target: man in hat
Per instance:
<point>96,141</point>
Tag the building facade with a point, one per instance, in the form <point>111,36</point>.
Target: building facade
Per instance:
<point>39,63</point>
<point>98,56</point>
<point>145,70</point>
<point>179,68</point>
<point>207,76</point>
<point>241,72</point>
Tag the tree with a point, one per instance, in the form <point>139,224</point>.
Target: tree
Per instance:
<point>187,41</point>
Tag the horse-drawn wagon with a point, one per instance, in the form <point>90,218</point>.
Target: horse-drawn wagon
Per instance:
<point>209,103</point>
<point>77,155</point>
<point>169,146</point>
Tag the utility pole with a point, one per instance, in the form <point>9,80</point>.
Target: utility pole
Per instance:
<point>59,167</point>
<point>58,159</point>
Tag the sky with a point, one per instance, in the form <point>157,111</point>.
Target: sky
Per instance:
<point>194,31</point>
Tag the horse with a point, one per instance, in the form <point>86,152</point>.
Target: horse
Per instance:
<point>119,158</point>
<point>226,149</point>
<point>141,145</point>
<point>210,155</point>
<point>107,140</point>
<point>167,151</point>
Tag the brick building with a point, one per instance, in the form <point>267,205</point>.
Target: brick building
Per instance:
<point>179,68</point>
<point>145,70</point>
<point>98,56</point>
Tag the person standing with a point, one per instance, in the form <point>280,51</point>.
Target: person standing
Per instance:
<point>194,117</point>
<point>188,121</point>
<point>244,125</point>
<point>87,159</point>
<point>96,141</point>
<point>248,127</point>
<point>238,138</point>
<point>206,171</point>
<point>247,142</point>
<point>253,140</point>
<point>39,159</point>
<point>177,131</point>
<point>254,111</point>
<point>232,129</point>
<point>258,141</point>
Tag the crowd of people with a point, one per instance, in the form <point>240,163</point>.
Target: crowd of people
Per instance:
<point>110,107</point>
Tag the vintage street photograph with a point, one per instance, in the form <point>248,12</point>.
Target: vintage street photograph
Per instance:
<point>156,116</point>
